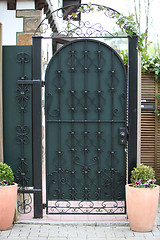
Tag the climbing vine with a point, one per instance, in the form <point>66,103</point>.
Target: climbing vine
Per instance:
<point>125,23</point>
<point>129,27</point>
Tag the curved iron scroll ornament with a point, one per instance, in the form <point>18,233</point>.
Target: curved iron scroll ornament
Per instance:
<point>84,28</point>
<point>24,205</point>
<point>87,207</point>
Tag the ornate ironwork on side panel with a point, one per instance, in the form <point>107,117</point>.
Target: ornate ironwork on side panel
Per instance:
<point>24,203</point>
<point>22,136</point>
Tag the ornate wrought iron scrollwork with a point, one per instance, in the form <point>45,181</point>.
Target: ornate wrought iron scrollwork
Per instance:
<point>22,134</point>
<point>86,207</point>
<point>22,97</point>
<point>24,204</point>
<point>84,29</point>
<point>23,57</point>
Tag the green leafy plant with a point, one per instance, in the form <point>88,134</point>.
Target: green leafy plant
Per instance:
<point>6,175</point>
<point>151,65</point>
<point>143,176</point>
<point>157,111</point>
<point>124,55</point>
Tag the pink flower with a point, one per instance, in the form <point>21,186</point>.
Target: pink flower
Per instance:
<point>146,184</point>
<point>138,182</point>
<point>4,181</point>
<point>151,181</point>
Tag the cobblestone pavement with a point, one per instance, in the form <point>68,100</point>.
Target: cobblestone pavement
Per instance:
<point>78,231</point>
<point>75,232</point>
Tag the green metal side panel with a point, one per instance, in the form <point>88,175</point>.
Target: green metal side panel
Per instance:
<point>17,112</point>
<point>85,109</point>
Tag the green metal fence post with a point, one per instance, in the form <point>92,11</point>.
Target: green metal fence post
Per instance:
<point>132,105</point>
<point>37,128</point>
<point>1,106</point>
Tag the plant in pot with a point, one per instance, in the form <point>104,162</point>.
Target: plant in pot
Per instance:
<point>8,196</point>
<point>142,197</point>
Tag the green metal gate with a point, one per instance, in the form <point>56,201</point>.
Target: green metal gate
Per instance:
<point>86,92</point>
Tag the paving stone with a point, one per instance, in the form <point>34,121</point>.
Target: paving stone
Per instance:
<point>59,233</point>
<point>110,235</point>
<point>23,234</point>
<point>43,233</point>
<point>138,238</point>
<point>5,233</point>
<point>78,238</point>
<point>32,234</point>
<point>16,238</point>
<point>52,232</point>
<point>99,238</point>
<point>14,234</point>
<point>116,238</point>
<point>39,238</point>
<point>156,231</point>
<point>120,234</point>
<point>129,234</point>
<point>139,234</point>
<point>153,238</point>
<point>75,235</point>
<point>149,234</point>
<point>58,238</point>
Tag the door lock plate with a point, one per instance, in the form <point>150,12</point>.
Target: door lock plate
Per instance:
<point>122,136</point>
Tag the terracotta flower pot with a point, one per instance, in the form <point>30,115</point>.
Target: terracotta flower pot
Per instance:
<point>8,199</point>
<point>142,204</point>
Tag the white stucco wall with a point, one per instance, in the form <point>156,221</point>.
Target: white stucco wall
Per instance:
<point>11,24</point>
<point>28,4</point>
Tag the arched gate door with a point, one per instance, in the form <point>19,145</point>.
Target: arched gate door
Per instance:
<point>86,129</point>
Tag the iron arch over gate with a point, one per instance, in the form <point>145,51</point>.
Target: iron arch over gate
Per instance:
<point>86,129</point>
<point>83,162</point>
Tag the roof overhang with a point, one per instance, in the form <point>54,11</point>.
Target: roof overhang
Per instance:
<point>39,4</point>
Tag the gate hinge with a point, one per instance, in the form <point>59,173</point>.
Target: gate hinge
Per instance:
<point>32,82</point>
<point>42,83</point>
<point>44,205</point>
<point>29,190</point>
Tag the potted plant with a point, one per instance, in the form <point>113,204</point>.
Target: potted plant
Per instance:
<point>8,196</point>
<point>142,197</point>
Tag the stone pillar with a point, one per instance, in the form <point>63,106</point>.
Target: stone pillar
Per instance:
<point>31,20</point>
<point>1,106</point>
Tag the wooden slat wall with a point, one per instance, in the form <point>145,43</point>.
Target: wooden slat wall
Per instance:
<point>148,124</point>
